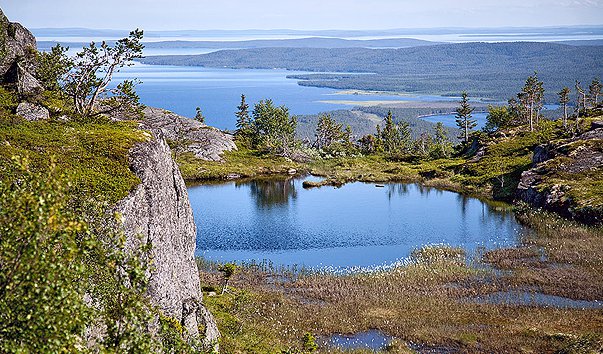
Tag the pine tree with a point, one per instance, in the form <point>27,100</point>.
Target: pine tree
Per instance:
<point>531,97</point>
<point>463,117</point>
<point>328,131</point>
<point>563,101</point>
<point>199,115</point>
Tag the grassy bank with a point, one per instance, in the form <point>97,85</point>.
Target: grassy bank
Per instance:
<point>495,174</point>
<point>432,302</point>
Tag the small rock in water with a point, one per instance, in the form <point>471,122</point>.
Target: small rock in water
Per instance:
<point>379,185</point>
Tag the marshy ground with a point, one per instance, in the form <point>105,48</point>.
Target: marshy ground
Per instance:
<point>542,296</point>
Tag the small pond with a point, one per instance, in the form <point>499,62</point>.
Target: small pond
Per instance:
<point>357,225</point>
<point>372,339</point>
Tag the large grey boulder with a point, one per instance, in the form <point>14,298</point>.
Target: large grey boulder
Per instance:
<point>158,209</point>
<point>201,140</point>
<point>17,57</point>
<point>32,112</point>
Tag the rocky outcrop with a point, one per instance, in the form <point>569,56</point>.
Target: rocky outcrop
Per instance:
<point>159,210</point>
<point>561,175</point>
<point>32,111</point>
<point>17,57</point>
<point>189,135</point>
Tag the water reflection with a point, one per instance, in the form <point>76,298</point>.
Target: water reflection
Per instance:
<point>271,192</point>
<point>358,224</point>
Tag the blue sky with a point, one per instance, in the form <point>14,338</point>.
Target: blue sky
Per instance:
<point>301,14</point>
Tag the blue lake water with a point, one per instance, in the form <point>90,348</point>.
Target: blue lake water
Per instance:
<point>218,91</point>
<point>372,339</point>
<point>357,225</point>
<point>449,120</point>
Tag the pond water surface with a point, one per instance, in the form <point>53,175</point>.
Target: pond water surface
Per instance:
<point>357,225</point>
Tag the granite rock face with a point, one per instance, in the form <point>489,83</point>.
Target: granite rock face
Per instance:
<point>17,57</point>
<point>159,210</point>
<point>203,141</point>
<point>559,168</point>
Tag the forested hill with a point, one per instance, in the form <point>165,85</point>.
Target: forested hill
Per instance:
<point>492,70</point>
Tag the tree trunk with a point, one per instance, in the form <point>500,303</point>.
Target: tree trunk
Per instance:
<point>225,287</point>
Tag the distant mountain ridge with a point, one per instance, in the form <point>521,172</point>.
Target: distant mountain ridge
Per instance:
<point>400,32</point>
<point>310,42</point>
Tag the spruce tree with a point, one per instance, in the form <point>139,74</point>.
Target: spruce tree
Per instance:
<point>463,117</point>
<point>243,120</point>
<point>244,132</point>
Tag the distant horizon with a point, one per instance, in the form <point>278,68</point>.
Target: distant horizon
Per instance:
<point>322,29</point>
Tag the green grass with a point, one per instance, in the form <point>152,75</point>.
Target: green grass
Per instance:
<point>242,162</point>
<point>93,156</point>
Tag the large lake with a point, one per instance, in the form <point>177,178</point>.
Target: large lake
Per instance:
<point>218,91</point>
<point>357,225</point>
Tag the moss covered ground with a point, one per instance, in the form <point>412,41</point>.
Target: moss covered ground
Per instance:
<point>92,156</point>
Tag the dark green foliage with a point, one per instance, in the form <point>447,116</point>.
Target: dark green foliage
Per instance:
<point>273,128</point>
<point>498,117</point>
<point>199,117</point>
<point>52,67</point>
<point>394,138</point>
<point>463,118</point>
<point>244,132</point>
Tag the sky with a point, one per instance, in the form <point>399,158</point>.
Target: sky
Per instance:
<point>300,14</point>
